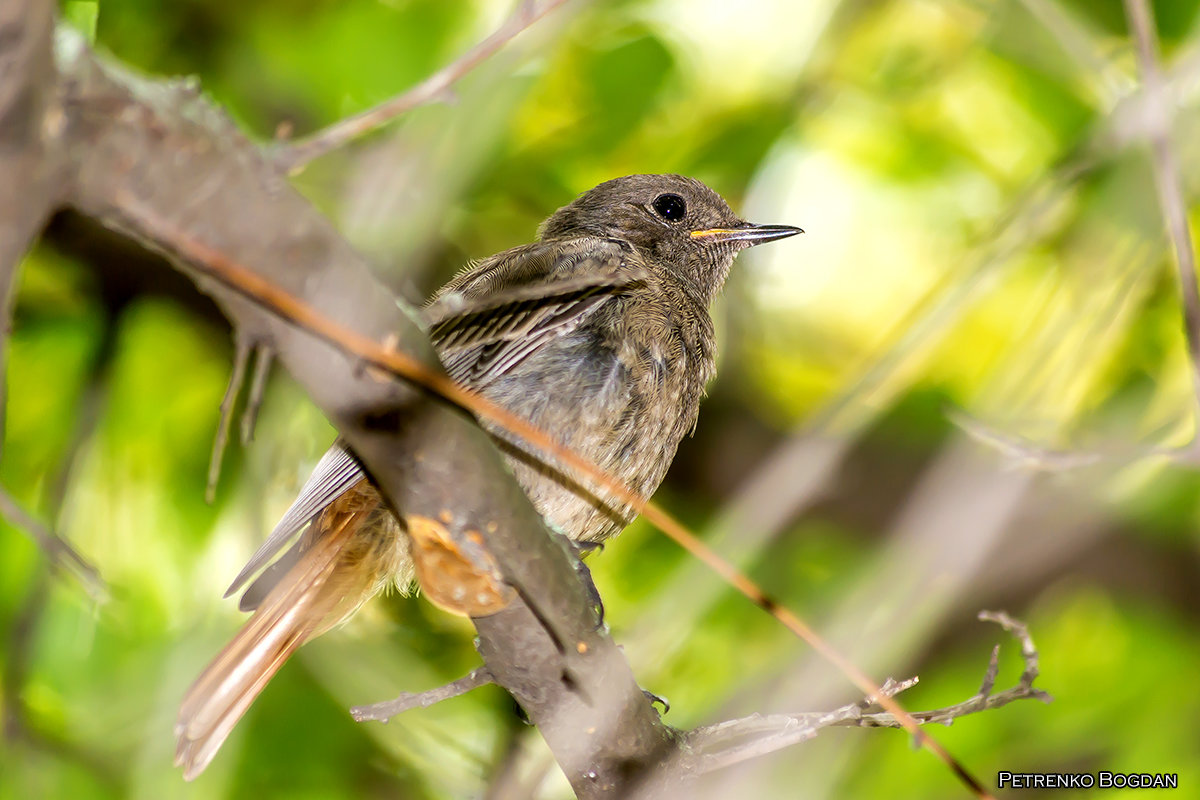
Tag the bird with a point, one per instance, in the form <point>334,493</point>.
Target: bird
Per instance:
<point>598,332</point>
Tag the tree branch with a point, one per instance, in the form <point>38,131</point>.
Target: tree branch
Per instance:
<point>382,712</point>
<point>731,742</point>
<point>152,159</point>
<point>295,156</point>
<point>391,427</point>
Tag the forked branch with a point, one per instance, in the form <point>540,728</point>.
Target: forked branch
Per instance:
<point>734,741</point>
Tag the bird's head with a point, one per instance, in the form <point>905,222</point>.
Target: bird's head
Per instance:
<point>680,224</point>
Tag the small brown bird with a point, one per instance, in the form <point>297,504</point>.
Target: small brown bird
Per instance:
<point>598,332</point>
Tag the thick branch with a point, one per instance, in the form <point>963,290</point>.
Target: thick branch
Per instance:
<point>154,160</point>
<point>26,98</point>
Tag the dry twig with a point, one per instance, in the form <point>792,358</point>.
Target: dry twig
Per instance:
<point>734,741</point>
<point>258,386</point>
<point>244,347</point>
<point>480,676</point>
<point>241,356</point>
<point>57,549</point>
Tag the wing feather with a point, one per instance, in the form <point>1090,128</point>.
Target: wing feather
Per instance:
<point>489,319</point>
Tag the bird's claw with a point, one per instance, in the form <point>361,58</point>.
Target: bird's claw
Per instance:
<point>662,701</point>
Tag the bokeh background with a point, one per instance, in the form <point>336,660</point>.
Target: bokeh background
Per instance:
<point>985,254</point>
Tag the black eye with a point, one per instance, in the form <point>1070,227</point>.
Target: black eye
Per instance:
<point>670,207</point>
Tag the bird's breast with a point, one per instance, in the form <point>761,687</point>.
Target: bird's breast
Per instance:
<point>621,395</point>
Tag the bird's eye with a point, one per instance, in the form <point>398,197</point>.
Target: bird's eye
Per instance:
<point>670,207</point>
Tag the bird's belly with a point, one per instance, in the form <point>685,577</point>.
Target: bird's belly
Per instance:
<point>626,412</point>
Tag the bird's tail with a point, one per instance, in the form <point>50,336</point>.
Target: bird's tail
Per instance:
<point>324,585</point>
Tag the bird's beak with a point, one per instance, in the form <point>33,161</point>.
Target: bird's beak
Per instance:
<point>747,232</point>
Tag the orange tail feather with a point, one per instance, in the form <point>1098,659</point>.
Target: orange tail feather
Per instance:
<point>308,600</point>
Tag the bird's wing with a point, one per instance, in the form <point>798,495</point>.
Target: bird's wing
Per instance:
<point>494,315</point>
<point>337,471</point>
<point>482,323</point>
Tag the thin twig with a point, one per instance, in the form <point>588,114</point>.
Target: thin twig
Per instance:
<point>292,309</point>
<point>1029,652</point>
<point>480,676</point>
<point>1167,179</point>
<point>983,699</point>
<point>735,741</point>
<point>258,386</point>
<point>1022,452</point>
<point>293,157</point>
<point>57,549</point>
<point>241,357</point>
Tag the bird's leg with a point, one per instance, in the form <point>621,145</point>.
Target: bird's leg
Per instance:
<point>583,549</point>
<point>580,550</point>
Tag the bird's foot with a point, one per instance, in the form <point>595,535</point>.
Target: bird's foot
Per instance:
<point>653,698</point>
<point>584,549</point>
<point>580,550</point>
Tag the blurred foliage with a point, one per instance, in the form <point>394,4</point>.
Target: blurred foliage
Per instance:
<point>983,234</point>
